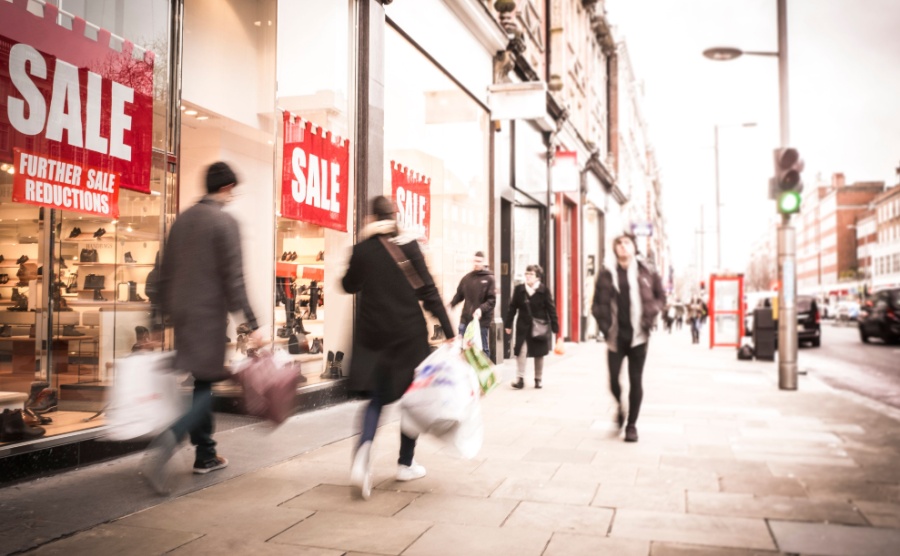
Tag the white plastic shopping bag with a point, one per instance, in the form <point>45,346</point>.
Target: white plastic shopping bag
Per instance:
<point>443,400</point>
<point>477,359</point>
<point>144,397</point>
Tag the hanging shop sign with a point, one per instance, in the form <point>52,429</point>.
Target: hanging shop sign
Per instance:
<point>78,97</point>
<point>314,175</point>
<point>565,176</point>
<point>412,193</point>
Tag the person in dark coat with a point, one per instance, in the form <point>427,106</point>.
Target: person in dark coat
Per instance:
<point>478,295</point>
<point>627,299</point>
<point>391,333</point>
<point>531,299</point>
<point>201,280</point>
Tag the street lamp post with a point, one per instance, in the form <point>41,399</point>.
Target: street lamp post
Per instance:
<point>718,201</point>
<point>787,241</point>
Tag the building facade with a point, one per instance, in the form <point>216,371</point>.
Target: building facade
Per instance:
<point>885,252</point>
<point>372,98</point>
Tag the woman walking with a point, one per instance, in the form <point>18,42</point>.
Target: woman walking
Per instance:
<point>531,300</point>
<point>392,336</point>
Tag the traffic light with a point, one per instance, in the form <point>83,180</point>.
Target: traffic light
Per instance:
<point>787,186</point>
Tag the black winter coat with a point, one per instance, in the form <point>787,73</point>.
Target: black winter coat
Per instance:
<point>391,336</point>
<point>541,307</point>
<point>477,291</point>
<point>201,281</point>
<point>605,309</point>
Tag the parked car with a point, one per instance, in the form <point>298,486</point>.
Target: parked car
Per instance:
<point>880,317</point>
<point>809,320</point>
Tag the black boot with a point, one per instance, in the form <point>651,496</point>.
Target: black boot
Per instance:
<point>98,296</point>
<point>329,363</point>
<point>336,369</point>
<point>132,292</point>
<point>13,427</point>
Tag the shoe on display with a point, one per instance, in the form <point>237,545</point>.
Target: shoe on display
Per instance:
<point>336,367</point>
<point>4,278</point>
<point>22,259</point>
<point>62,263</point>
<point>70,330</point>
<point>47,400</point>
<point>13,427</point>
<point>5,331</point>
<point>519,383</point>
<point>75,232</point>
<point>329,362</point>
<point>212,464</point>
<point>99,233</point>
<point>410,472</point>
<point>361,472</point>
<point>155,467</point>
<point>129,258</point>
<point>631,434</point>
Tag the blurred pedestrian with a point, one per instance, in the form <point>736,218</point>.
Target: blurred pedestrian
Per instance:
<point>695,318</point>
<point>479,296</point>
<point>679,315</point>
<point>627,299</point>
<point>531,300</point>
<point>392,336</point>
<point>201,280</point>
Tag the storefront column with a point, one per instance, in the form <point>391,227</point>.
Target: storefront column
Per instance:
<point>370,120</point>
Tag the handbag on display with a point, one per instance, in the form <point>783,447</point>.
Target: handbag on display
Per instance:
<point>89,256</point>
<point>94,282</point>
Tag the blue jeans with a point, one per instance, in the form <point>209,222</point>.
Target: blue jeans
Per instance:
<point>198,422</point>
<point>370,425</point>
<point>485,347</point>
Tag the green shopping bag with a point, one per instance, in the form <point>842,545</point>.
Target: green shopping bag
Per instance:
<point>472,350</point>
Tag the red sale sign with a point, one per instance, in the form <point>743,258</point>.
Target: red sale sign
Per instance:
<point>412,193</point>
<point>50,182</point>
<point>73,98</point>
<point>314,175</point>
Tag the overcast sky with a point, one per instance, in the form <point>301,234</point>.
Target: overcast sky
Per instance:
<point>844,63</point>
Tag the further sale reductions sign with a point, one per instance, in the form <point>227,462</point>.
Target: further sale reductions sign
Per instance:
<point>314,175</point>
<point>412,193</point>
<point>76,112</point>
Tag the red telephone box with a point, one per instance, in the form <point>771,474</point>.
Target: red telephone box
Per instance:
<point>726,310</point>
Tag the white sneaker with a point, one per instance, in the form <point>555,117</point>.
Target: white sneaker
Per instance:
<point>410,472</point>
<point>360,471</point>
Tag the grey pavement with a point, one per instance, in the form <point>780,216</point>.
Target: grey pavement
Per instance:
<point>726,465</point>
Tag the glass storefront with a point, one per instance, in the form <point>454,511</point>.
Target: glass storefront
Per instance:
<point>436,140</point>
<point>85,146</point>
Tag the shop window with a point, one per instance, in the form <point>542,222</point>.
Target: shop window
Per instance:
<point>436,162</point>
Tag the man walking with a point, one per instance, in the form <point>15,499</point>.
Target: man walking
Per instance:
<point>627,299</point>
<point>479,296</point>
<point>201,281</point>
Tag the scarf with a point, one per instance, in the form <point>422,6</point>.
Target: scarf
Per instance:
<point>530,290</point>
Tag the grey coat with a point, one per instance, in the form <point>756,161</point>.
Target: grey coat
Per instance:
<point>201,281</point>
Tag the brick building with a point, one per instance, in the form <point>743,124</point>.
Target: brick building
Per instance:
<point>886,250</point>
<point>827,262</point>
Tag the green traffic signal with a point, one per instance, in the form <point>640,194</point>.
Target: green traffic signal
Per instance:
<point>789,202</point>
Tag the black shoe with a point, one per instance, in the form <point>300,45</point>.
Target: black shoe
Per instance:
<point>70,330</point>
<point>99,233</point>
<point>631,433</point>
<point>13,427</point>
<point>22,259</point>
<point>129,258</point>
<point>537,383</point>
<point>336,368</point>
<point>519,383</point>
<point>75,233</point>
<point>329,363</point>
<point>620,418</point>
<point>214,464</point>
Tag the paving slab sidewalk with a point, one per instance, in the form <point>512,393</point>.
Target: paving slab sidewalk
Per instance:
<point>727,464</point>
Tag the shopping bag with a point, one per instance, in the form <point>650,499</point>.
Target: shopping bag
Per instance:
<point>443,400</point>
<point>144,399</point>
<point>477,359</point>
<point>269,382</point>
